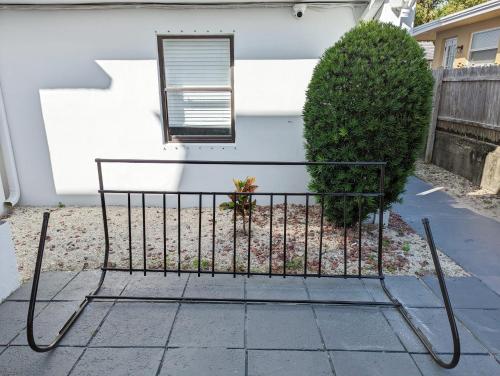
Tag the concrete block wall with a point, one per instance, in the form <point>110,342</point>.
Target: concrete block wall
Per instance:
<point>461,155</point>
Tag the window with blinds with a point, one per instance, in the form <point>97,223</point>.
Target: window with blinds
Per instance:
<point>484,46</point>
<point>197,88</point>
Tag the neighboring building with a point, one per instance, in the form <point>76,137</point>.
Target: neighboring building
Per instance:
<point>428,48</point>
<point>467,38</point>
<point>169,79</point>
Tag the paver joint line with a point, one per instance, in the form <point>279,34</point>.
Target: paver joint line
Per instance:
<point>171,329</point>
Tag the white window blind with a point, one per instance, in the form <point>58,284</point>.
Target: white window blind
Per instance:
<point>484,46</point>
<point>199,109</point>
<point>198,86</point>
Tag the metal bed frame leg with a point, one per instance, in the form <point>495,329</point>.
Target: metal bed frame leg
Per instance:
<point>34,290</point>
<point>446,299</point>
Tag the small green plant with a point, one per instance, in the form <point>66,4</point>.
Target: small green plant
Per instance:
<point>295,263</point>
<point>241,203</point>
<point>60,205</point>
<point>406,247</point>
<point>204,265</point>
<point>386,243</point>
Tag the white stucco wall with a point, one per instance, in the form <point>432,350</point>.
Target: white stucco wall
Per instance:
<point>9,276</point>
<point>82,84</point>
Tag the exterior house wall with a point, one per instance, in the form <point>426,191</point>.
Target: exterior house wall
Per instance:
<point>464,36</point>
<point>81,84</point>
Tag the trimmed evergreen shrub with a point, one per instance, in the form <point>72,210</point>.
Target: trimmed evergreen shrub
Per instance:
<point>369,100</point>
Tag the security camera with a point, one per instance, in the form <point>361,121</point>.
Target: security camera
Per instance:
<point>299,10</point>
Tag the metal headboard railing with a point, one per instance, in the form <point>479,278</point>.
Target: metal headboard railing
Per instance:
<point>321,197</point>
<point>379,194</point>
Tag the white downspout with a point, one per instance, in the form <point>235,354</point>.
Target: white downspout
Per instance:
<point>8,157</point>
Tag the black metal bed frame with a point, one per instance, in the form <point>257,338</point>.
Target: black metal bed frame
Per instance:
<point>379,194</point>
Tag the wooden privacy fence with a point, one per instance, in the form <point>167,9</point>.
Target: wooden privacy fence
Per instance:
<point>465,122</point>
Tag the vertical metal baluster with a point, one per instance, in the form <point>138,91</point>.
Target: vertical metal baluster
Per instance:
<point>284,236</point>
<point>213,233</point>
<point>249,235</point>
<point>164,237</point>
<point>129,235</point>
<point>234,237</point>
<point>381,219</point>
<point>307,231</point>
<point>359,237</point>
<point>178,234</point>
<point>105,224</point>
<point>271,236</point>
<point>345,237</point>
<point>199,233</point>
<point>321,234</point>
<point>144,232</point>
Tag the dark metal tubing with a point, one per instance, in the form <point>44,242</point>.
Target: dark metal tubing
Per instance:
<point>393,301</point>
<point>244,273</point>
<point>345,237</point>
<point>213,234</point>
<point>164,237</point>
<point>241,163</point>
<point>321,234</point>
<point>306,236</point>
<point>285,205</point>
<point>381,219</point>
<point>333,194</point>
<point>144,231</point>
<point>199,234</point>
<point>34,291</point>
<point>270,236</point>
<point>234,238</point>
<point>237,300</point>
<point>360,228</point>
<point>129,234</point>
<point>178,234</point>
<point>446,299</point>
<point>249,235</point>
<point>104,221</point>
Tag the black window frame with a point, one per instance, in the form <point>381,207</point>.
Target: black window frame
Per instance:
<point>168,137</point>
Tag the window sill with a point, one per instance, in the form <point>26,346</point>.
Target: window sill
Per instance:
<point>200,140</point>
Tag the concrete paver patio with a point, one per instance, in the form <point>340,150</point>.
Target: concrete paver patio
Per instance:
<point>153,338</point>
<point>470,239</point>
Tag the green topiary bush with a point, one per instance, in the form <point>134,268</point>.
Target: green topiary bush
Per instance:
<point>369,100</point>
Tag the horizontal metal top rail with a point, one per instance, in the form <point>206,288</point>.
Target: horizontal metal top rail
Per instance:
<point>232,193</point>
<point>251,163</point>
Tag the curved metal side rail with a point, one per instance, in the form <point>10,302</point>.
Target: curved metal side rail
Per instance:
<point>449,310</point>
<point>34,291</point>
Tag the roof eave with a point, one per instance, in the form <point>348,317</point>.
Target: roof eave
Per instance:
<point>24,3</point>
<point>456,17</point>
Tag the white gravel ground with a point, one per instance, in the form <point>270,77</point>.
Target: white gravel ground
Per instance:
<point>75,241</point>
